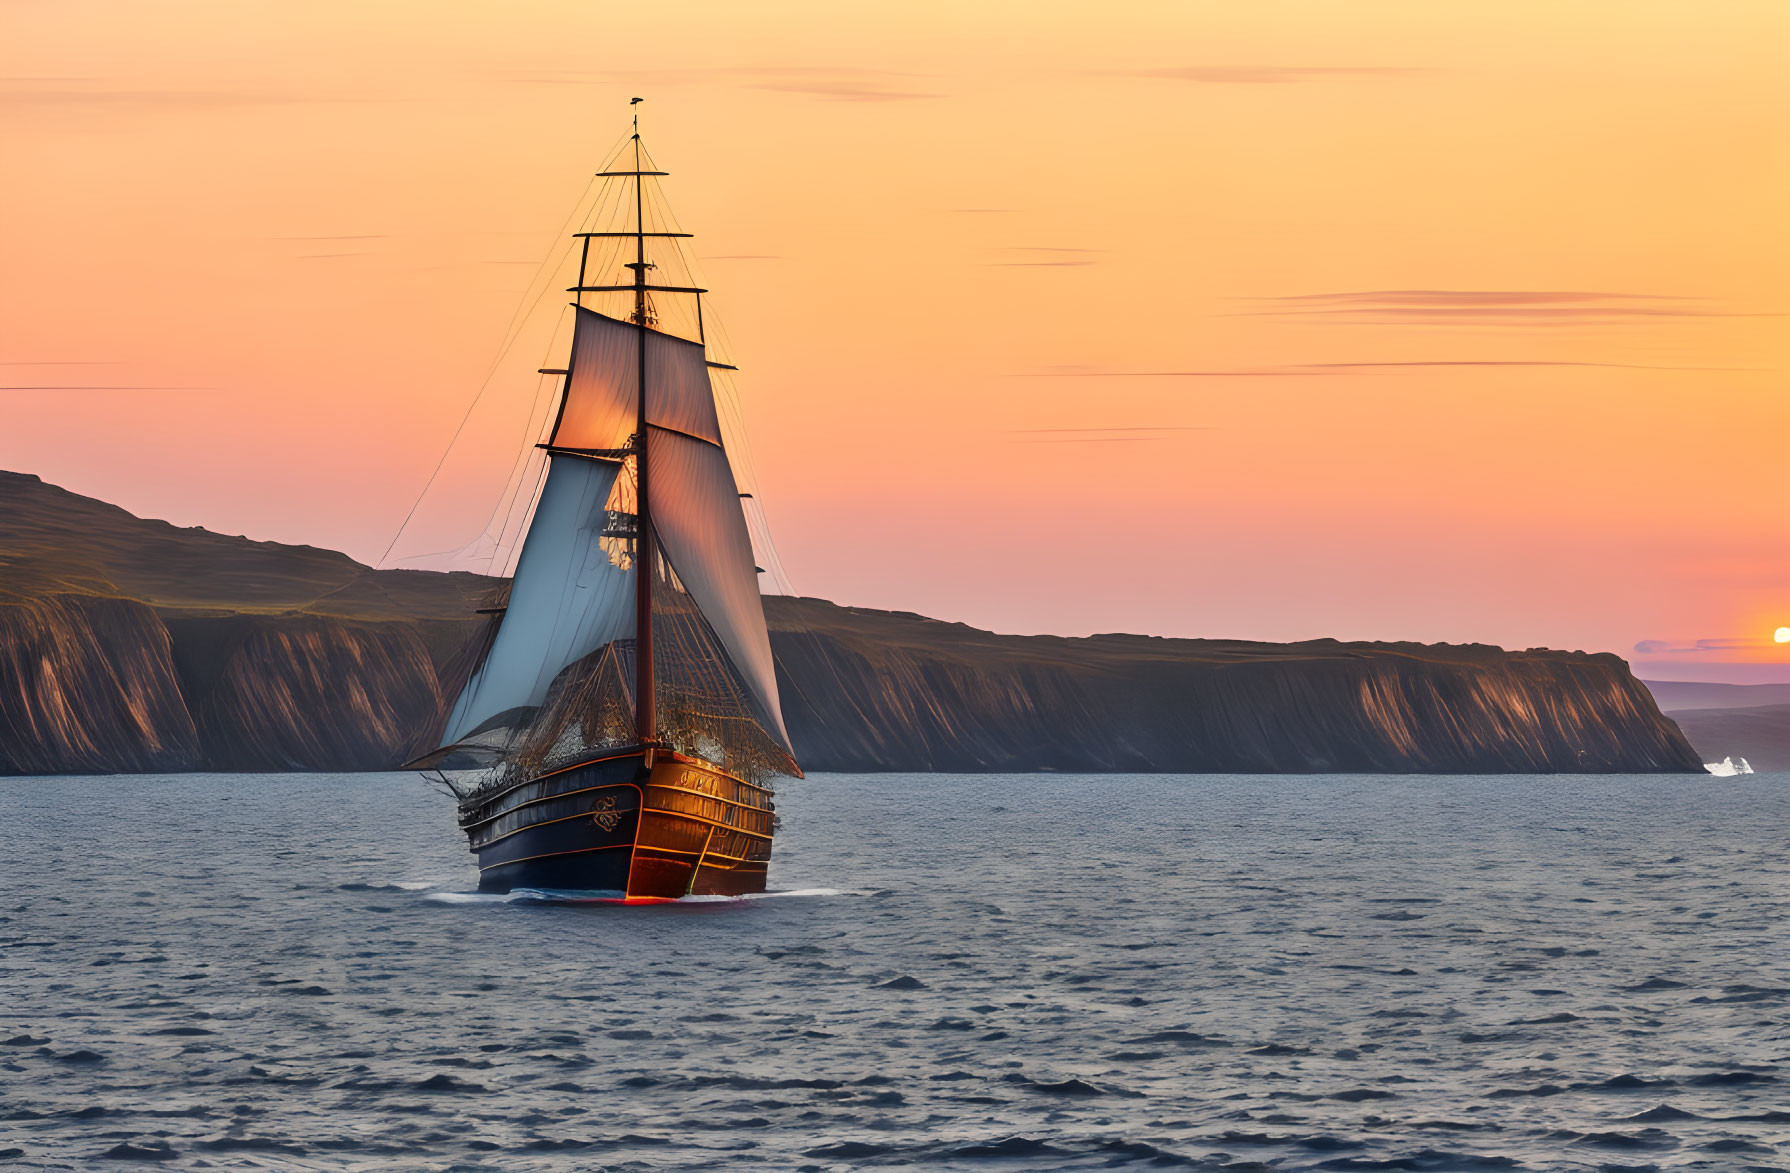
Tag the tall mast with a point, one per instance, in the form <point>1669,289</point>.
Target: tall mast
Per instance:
<point>645,721</point>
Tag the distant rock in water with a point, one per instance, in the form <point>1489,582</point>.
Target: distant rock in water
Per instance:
<point>129,645</point>
<point>1760,734</point>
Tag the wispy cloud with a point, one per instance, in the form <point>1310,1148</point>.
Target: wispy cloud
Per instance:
<point>1666,647</point>
<point>1500,362</point>
<point>834,83</point>
<point>1493,307</point>
<point>1465,298</point>
<point>1257,75</point>
<point>1141,428</point>
<point>1073,372</point>
<point>47,92</point>
<point>100,95</point>
<point>844,90</point>
<point>1045,257</point>
<point>1340,369</point>
<point>1121,435</point>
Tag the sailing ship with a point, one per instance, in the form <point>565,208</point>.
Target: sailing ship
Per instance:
<point>619,726</point>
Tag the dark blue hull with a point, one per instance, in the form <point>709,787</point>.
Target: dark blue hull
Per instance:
<point>618,825</point>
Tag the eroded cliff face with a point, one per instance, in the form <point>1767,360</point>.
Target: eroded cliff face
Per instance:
<point>306,692</point>
<point>130,645</point>
<point>93,685</point>
<point>882,691</point>
<point>134,645</point>
<point>87,685</point>
<point>102,685</point>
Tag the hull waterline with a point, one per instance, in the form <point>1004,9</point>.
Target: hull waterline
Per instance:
<point>639,823</point>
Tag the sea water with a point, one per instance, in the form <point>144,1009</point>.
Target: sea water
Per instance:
<point>961,972</point>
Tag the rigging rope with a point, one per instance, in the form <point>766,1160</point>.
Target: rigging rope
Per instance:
<point>524,306</point>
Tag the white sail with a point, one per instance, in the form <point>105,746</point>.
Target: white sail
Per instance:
<point>679,396</point>
<point>569,597</point>
<point>602,401</point>
<point>600,408</point>
<point>702,533</point>
<point>693,501</point>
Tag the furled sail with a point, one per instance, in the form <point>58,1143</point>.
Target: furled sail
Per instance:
<point>573,594</point>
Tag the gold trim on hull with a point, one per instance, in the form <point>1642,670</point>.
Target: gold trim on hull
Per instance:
<point>697,830</point>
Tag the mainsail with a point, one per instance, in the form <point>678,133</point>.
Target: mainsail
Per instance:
<point>555,683</point>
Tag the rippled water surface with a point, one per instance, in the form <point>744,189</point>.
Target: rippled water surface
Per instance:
<point>1039,972</point>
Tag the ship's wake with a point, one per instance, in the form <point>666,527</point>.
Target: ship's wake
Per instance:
<point>560,896</point>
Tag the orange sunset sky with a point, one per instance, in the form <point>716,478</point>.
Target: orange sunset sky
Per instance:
<point>1384,319</point>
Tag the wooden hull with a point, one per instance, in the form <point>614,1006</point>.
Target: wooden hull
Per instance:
<point>619,826</point>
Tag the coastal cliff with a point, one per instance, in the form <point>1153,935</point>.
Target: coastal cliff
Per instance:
<point>306,692</point>
<point>879,690</point>
<point>129,645</point>
<point>87,685</point>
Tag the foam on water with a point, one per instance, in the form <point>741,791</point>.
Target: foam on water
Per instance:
<point>1042,972</point>
<point>562,896</point>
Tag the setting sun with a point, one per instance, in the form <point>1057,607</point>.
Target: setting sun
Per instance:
<point>1781,635</point>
